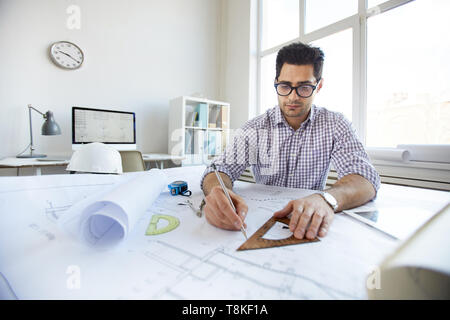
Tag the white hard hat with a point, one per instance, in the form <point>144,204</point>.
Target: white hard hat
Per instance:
<point>96,158</point>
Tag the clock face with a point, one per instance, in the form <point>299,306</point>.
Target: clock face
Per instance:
<point>66,55</point>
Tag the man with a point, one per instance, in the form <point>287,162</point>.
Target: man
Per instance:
<point>292,145</point>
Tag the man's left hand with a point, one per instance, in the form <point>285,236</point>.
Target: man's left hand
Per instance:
<point>312,210</point>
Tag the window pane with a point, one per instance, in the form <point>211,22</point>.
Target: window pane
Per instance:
<point>336,93</point>
<point>280,22</point>
<point>320,13</point>
<point>373,3</point>
<point>408,98</point>
<point>268,95</point>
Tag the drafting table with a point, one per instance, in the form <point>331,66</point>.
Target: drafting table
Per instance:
<point>194,260</point>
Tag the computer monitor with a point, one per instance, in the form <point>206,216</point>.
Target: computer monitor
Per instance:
<point>115,128</point>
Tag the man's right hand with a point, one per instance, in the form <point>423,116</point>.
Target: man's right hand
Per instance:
<point>219,212</point>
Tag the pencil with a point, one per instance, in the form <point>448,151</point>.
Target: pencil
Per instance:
<point>229,198</point>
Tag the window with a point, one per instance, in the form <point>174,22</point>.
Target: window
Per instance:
<point>373,3</point>
<point>386,63</point>
<point>408,74</point>
<point>280,22</point>
<point>336,93</point>
<point>321,13</point>
<point>268,94</point>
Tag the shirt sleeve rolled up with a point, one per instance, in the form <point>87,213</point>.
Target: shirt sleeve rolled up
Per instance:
<point>348,154</point>
<point>235,158</point>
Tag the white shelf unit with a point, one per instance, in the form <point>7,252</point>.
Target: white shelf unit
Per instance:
<point>198,137</point>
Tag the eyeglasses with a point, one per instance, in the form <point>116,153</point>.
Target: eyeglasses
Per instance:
<point>304,90</point>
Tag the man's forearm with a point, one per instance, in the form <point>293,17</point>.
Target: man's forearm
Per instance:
<point>352,191</point>
<point>211,181</point>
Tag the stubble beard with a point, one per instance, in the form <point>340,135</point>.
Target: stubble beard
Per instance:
<point>302,110</point>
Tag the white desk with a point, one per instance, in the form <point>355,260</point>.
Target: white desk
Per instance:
<point>36,164</point>
<point>160,157</point>
<point>193,261</point>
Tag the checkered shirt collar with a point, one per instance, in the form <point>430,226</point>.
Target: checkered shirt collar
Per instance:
<point>277,116</point>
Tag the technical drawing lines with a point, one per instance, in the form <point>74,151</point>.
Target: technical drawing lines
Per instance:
<point>290,272</point>
<point>212,263</point>
<point>53,213</point>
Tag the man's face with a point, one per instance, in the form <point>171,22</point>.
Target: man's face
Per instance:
<point>294,106</point>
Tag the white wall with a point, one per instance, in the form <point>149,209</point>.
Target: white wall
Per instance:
<point>138,55</point>
<point>238,59</point>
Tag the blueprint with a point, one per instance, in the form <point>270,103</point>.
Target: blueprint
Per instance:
<point>105,218</point>
<point>187,259</point>
<point>399,224</point>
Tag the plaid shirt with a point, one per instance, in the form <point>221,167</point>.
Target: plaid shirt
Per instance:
<point>282,156</point>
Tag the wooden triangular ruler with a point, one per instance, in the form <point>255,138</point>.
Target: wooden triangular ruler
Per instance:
<point>256,241</point>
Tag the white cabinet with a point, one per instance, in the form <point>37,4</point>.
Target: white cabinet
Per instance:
<point>198,129</point>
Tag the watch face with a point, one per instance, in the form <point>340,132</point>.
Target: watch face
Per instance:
<point>66,55</point>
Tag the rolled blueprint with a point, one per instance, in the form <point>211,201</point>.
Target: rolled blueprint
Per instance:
<point>389,154</point>
<point>104,219</point>
<point>428,152</point>
<point>420,267</point>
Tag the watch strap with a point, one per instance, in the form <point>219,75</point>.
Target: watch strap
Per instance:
<point>334,205</point>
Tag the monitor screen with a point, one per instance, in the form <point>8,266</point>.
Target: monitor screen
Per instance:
<point>106,126</point>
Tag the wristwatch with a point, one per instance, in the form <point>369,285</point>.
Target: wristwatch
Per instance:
<point>330,200</point>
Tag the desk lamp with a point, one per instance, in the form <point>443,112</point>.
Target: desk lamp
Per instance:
<point>49,128</point>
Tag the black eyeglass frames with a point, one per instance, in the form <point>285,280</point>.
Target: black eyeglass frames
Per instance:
<point>303,90</point>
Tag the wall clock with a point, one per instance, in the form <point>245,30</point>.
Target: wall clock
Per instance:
<point>66,55</point>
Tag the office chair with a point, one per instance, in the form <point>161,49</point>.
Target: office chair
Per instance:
<point>132,161</point>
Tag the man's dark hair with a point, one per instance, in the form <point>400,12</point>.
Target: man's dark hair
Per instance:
<point>298,53</point>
